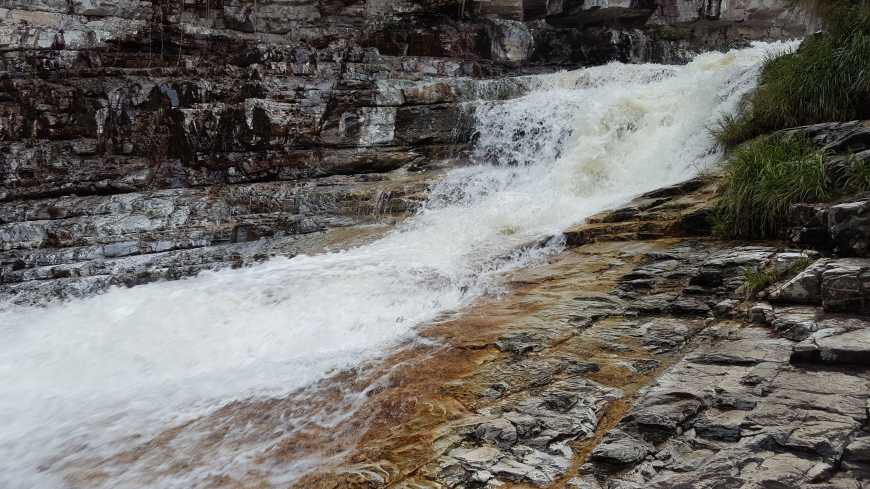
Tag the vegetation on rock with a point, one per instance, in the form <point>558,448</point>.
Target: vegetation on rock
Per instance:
<point>826,79</point>
<point>765,176</point>
<point>757,279</point>
<point>762,178</point>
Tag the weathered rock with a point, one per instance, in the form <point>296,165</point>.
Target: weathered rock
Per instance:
<point>761,313</point>
<point>522,439</point>
<point>804,288</point>
<point>786,427</point>
<point>499,432</point>
<point>619,448</point>
<point>849,226</point>
<point>838,285</point>
<point>841,226</point>
<point>840,344</point>
<point>846,286</point>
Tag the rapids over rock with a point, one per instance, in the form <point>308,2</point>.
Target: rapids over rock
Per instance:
<point>90,378</point>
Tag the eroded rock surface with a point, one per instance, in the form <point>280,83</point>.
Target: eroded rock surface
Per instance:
<point>656,373</point>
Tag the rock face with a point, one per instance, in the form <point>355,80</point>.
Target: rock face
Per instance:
<point>843,226</point>
<point>145,140</point>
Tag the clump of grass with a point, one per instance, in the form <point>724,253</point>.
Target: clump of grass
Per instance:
<point>856,174</point>
<point>826,79</point>
<point>756,280</point>
<point>762,179</point>
<point>767,175</point>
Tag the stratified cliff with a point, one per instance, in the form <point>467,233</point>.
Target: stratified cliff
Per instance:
<point>150,140</point>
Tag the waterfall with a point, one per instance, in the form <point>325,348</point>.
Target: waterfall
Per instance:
<point>86,378</point>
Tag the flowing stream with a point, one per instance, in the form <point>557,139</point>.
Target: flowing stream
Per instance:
<point>88,377</point>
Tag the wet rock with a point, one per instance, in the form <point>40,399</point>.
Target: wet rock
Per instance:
<point>519,344</point>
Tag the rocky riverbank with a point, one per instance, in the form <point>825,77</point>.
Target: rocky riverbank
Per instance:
<point>643,355</point>
<point>636,359</point>
<point>147,141</point>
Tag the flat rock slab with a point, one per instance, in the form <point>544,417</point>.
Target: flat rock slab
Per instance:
<point>835,348</point>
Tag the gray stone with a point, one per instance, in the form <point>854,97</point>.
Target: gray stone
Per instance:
<point>619,448</point>
<point>500,432</point>
<point>761,313</point>
<point>796,324</point>
<point>479,458</point>
<point>849,226</point>
<point>804,288</point>
<point>724,426</point>
<point>832,347</point>
<point>585,482</point>
<point>846,286</point>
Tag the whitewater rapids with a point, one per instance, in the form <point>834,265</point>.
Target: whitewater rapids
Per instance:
<point>86,378</point>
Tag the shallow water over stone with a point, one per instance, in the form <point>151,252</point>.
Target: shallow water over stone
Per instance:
<point>94,379</point>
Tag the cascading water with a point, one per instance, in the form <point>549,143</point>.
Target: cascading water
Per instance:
<point>88,378</point>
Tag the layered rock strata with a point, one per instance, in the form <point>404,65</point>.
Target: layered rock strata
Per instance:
<point>151,140</point>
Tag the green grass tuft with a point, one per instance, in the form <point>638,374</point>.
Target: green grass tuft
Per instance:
<point>762,179</point>
<point>756,280</point>
<point>857,175</point>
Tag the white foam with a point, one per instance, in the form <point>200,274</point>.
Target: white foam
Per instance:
<point>80,378</point>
